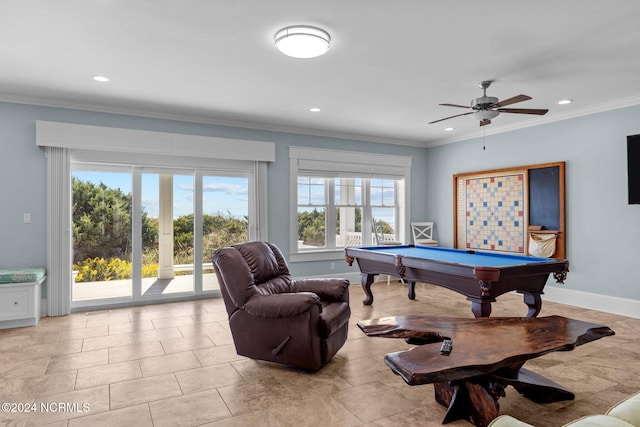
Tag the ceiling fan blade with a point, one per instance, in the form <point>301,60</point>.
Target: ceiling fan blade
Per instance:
<point>485,122</point>
<point>537,111</point>
<point>451,117</point>
<point>512,100</point>
<point>455,105</point>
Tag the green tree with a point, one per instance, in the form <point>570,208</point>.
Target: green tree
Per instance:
<point>218,231</point>
<point>222,230</point>
<point>311,228</point>
<point>102,222</point>
<point>385,227</point>
<point>183,239</point>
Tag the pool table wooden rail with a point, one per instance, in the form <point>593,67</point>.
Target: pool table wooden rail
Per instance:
<point>479,284</point>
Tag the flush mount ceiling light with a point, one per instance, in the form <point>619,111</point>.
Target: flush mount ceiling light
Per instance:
<point>302,41</point>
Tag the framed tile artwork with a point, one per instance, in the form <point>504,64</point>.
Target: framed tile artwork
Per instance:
<point>511,210</point>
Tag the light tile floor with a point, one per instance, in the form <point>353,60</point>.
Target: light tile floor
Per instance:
<point>175,364</point>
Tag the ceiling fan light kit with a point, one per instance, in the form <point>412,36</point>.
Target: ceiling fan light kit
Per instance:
<point>486,107</point>
<point>485,115</point>
<point>302,41</point>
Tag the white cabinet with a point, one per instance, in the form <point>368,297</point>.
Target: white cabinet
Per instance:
<point>20,304</point>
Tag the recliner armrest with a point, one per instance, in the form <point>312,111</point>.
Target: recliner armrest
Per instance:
<point>328,289</point>
<point>281,305</point>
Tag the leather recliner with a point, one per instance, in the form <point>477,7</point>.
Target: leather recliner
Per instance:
<point>301,323</point>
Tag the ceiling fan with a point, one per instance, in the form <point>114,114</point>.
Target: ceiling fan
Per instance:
<point>486,107</point>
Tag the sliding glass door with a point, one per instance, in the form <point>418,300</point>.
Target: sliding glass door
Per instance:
<point>142,234</point>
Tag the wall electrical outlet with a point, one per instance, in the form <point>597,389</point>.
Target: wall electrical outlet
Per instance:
<point>26,218</point>
<point>333,265</point>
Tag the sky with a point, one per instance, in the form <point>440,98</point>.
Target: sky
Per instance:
<point>225,195</point>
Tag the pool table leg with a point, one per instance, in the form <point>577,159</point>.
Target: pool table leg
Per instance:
<point>412,290</point>
<point>366,280</point>
<point>481,308</point>
<point>534,302</point>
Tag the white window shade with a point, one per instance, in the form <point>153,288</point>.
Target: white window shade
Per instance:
<point>318,162</point>
<point>346,169</point>
<point>134,141</point>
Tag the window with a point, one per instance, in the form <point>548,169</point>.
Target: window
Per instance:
<point>312,208</point>
<point>335,203</point>
<point>384,207</point>
<point>348,201</point>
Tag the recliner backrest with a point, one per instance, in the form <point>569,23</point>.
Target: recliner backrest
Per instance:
<point>251,268</point>
<point>235,278</point>
<point>262,260</point>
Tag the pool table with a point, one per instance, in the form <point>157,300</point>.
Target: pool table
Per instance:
<point>480,276</point>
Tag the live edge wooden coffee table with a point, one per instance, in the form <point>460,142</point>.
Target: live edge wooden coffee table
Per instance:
<point>487,356</point>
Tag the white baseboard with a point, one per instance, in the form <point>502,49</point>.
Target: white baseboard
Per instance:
<point>606,303</point>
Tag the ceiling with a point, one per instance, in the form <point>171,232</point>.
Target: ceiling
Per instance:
<point>389,66</point>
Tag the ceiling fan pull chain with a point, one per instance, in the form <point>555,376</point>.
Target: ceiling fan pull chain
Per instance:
<point>484,137</point>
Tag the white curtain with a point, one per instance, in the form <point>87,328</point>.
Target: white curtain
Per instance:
<point>58,231</point>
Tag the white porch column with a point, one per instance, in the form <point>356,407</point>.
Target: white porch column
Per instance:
<point>165,225</point>
<point>347,215</point>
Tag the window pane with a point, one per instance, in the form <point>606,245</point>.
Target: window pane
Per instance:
<point>311,191</point>
<point>225,219</point>
<point>102,247</point>
<point>383,192</point>
<point>388,193</point>
<point>383,206</point>
<point>385,216</point>
<point>167,256</point>
<point>311,228</point>
<point>303,190</point>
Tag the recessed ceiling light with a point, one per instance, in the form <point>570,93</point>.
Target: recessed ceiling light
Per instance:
<point>315,110</point>
<point>101,79</point>
<point>449,129</point>
<point>565,101</point>
<point>302,41</point>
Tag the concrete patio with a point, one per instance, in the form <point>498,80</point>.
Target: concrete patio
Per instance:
<point>151,286</point>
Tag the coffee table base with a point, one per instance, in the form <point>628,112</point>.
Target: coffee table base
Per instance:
<point>476,399</point>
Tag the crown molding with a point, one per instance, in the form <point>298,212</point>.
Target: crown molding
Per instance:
<point>19,99</point>
<point>598,108</point>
